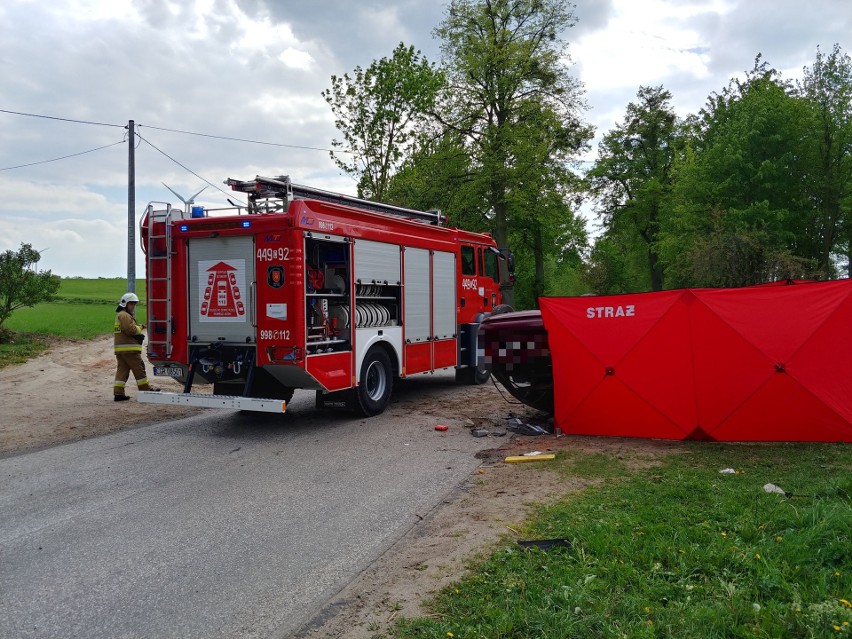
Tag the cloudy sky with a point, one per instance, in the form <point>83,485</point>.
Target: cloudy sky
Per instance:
<point>254,70</point>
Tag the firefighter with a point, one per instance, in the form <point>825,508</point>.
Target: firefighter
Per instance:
<point>128,348</point>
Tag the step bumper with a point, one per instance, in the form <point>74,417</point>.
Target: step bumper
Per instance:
<point>204,400</point>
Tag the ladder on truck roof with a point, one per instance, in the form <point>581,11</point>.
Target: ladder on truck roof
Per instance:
<point>281,188</point>
<point>159,276</point>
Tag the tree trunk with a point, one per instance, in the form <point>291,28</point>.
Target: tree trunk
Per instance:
<point>849,254</point>
<point>538,253</point>
<point>655,271</point>
<point>832,217</point>
<point>501,228</point>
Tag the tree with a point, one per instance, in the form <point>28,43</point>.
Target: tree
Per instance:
<point>617,263</point>
<point>632,178</point>
<point>827,87</point>
<point>378,112</point>
<point>438,175</point>
<point>545,232</point>
<point>729,256</point>
<point>507,84</point>
<point>20,284</point>
<point>738,184</point>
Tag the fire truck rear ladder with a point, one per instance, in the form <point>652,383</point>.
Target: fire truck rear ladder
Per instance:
<point>281,188</point>
<point>160,326</point>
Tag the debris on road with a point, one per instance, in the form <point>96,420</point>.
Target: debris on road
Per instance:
<point>545,544</point>
<point>772,488</point>
<point>442,428</point>
<point>484,432</point>
<point>516,459</point>
<point>521,428</point>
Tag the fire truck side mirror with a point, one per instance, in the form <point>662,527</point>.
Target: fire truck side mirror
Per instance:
<point>507,258</point>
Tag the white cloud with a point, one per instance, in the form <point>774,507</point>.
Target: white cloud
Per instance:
<point>259,36</point>
<point>295,109</point>
<point>637,47</point>
<point>295,59</point>
<point>71,246</point>
<point>25,195</point>
<point>383,23</point>
<point>91,11</point>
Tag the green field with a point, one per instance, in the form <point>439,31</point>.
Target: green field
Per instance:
<point>99,291</point>
<point>83,309</point>
<point>677,550</point>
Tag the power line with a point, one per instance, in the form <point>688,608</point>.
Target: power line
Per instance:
<point>157,128</point>
<point>64,157</point>
<point>222,137</point>
<point>184,167</point>
<point>50,117</point>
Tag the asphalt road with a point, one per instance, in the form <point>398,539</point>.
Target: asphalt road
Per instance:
<point>219,525</point>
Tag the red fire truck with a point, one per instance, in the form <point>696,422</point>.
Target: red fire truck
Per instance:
<point>303,288</point>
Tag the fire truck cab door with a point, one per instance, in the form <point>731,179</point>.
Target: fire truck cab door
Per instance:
<point>221,277</point>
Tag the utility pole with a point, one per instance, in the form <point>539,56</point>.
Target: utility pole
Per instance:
<point>131,207</point>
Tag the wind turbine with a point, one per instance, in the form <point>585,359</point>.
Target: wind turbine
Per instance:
<point>188,202</point>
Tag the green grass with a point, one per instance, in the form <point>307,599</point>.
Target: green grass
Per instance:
<point>674,551</point>
<point>99,291</point>
<point>83,309</point>
<point>20,347</point>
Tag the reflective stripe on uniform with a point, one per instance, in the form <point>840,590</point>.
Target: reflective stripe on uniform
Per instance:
<point>142,382</point>
<point>118,384</point>
<point>128,348</point>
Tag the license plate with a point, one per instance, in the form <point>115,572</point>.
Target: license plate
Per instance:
<point>168,371</point>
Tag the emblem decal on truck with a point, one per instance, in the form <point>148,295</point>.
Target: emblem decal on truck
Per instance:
<point>275,276</point>
<point>220,284</point>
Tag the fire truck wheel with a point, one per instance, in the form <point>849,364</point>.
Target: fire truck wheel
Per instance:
<point>374,389</point>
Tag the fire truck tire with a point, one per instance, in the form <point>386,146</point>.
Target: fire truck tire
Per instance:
<point>376,383</point>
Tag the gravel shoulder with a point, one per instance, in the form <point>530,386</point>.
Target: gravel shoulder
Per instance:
<point>65,395</point>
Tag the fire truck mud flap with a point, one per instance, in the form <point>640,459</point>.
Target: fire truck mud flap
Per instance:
<point>205,400</point>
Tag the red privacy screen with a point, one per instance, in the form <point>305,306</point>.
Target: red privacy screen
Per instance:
<point>763,363</point>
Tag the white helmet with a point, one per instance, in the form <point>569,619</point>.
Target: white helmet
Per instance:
<point>127,297</point>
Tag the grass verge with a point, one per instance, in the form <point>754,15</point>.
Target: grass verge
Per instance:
<point>678,550</point>
<point>17,348</point>
<point>83,309</point>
